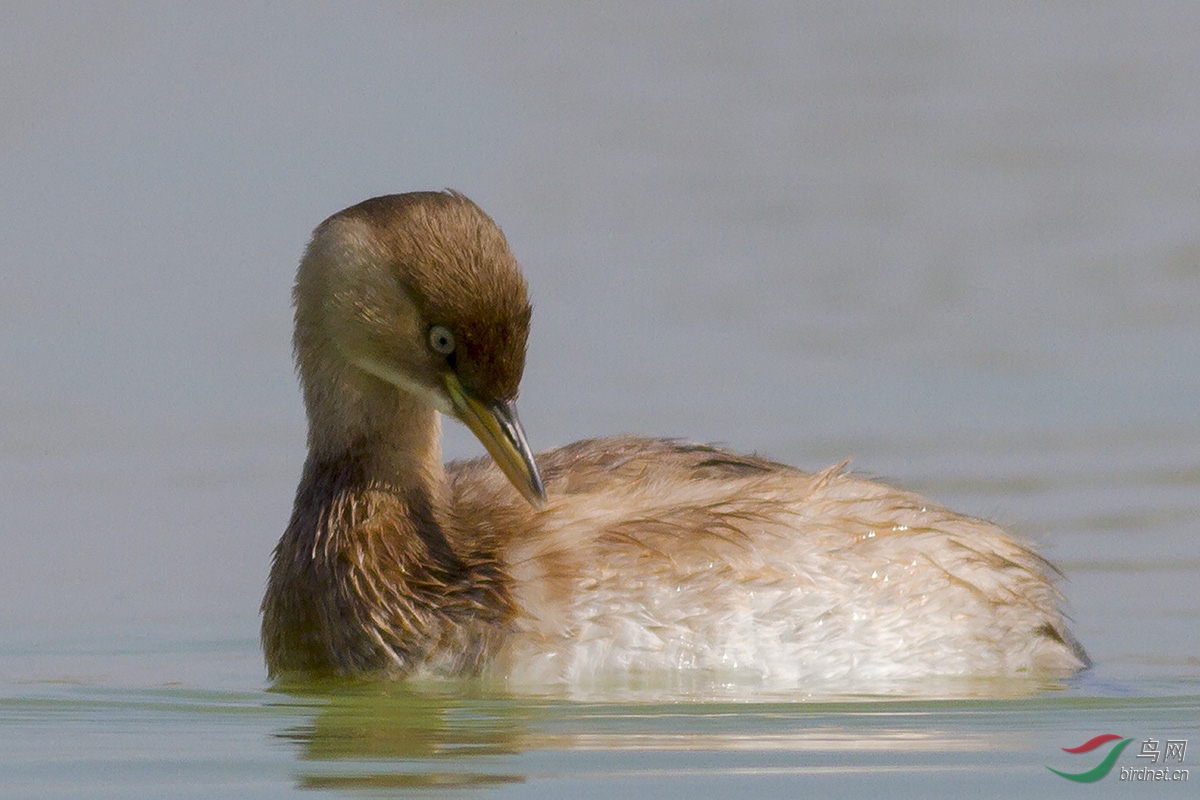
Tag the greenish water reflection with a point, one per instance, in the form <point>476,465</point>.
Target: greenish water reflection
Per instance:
<point>64,739</point>
<point>369,737</point>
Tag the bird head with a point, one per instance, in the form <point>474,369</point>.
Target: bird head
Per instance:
<point>421,292</point>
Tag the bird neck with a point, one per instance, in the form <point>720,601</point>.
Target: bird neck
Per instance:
<point>377,434</point>
<point>359,578</point>
<point>373,446</point>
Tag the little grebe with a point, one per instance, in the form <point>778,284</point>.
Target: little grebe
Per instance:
<point>612,557</point>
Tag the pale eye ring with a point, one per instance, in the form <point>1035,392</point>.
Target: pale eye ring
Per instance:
<point>441,340</point>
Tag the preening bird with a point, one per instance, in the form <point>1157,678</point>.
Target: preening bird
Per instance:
<point>607,559</point>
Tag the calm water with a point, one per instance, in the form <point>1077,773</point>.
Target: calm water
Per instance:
<point>959,244</point>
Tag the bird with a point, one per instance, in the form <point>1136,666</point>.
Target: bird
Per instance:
<point>609,560</point>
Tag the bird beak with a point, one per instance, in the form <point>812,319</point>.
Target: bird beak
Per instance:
<point>497,427</point>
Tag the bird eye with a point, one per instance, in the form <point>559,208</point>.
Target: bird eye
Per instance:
<point>441,340</point>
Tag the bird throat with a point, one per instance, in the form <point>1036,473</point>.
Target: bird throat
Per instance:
<point>365,579</point>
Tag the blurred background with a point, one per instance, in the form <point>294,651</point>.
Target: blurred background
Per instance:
<point>956,242</point>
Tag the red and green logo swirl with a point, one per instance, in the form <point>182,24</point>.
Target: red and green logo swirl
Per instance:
<point>1101,769</point>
